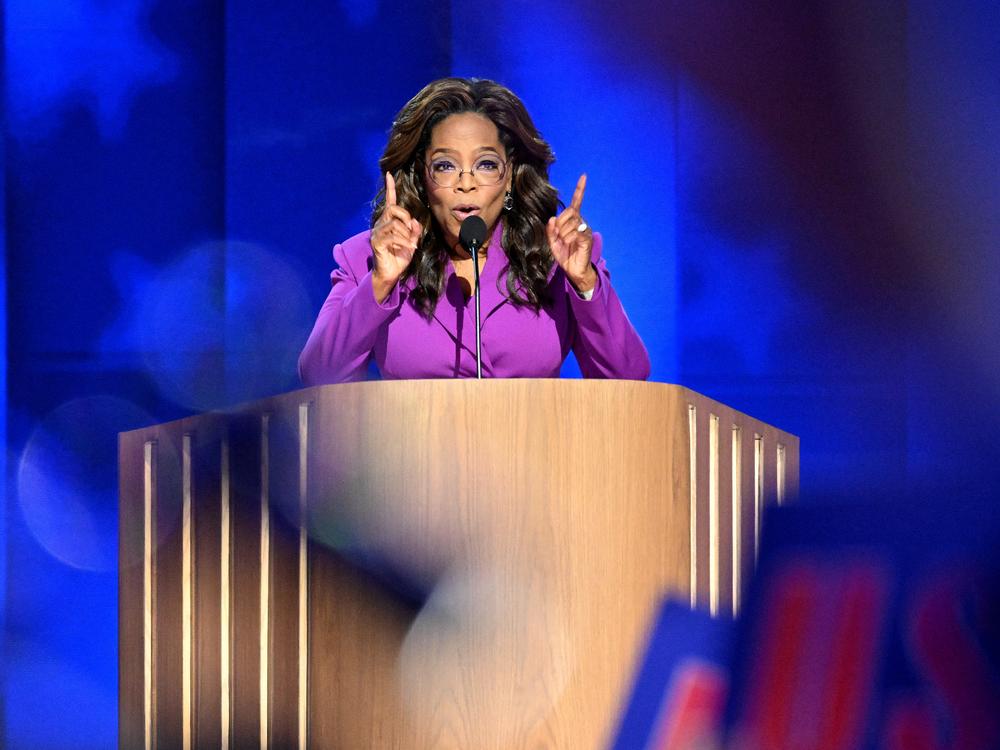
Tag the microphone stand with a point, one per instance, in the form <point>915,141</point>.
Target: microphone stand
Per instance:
<point>474,249</point>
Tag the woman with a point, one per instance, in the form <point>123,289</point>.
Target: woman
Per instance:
<point>401,292</point>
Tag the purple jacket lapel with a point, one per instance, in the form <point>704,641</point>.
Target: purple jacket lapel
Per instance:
<point>458,316</point>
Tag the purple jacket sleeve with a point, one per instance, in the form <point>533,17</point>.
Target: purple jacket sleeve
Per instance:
<point>606,345</point>
<point>341,342</point>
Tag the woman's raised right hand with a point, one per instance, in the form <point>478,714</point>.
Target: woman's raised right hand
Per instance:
<point>394,239</point>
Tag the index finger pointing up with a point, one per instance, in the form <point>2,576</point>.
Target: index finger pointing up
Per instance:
<point>390,190</point>
<point>577,201</point>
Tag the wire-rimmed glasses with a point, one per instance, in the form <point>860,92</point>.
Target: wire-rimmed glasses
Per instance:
<point>487,170</point>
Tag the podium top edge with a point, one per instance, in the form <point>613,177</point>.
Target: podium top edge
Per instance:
<point>316,393</point>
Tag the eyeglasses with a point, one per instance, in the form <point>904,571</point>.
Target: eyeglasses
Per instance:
<point>487,170</point>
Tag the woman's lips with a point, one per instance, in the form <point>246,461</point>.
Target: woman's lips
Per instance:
<point>464,212</point>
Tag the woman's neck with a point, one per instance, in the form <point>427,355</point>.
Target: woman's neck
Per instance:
<point>457,252</point>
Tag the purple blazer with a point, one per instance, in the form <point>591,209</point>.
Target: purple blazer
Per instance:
<point>516,342</point>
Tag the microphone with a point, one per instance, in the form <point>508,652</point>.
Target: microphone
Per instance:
<point>472,235</point>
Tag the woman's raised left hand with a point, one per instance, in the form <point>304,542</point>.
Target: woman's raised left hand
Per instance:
<point>572,241</point>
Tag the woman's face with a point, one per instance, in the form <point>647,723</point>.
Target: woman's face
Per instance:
<point>464,142</point>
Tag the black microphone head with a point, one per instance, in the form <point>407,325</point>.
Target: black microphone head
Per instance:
<point>473,232</point>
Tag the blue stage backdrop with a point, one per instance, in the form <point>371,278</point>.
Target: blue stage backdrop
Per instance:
<point>798,201</point>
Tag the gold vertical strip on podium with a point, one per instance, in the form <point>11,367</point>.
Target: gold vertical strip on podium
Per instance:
<point>187,565</point>
<point>737,510</point>
<point>225,600</point>
<point>693,499</point>
<point>780,473</point>
<point>713,515</point>
<point>148,590</point>
<point>758,490</point>
<point>303,577</point>
<point>265,581</point>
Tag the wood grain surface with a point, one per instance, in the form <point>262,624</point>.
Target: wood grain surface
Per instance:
<point>484,558</point>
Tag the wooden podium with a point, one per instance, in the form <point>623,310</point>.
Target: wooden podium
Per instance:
<point>418,564</point>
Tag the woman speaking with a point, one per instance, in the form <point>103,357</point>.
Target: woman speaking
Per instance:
<point>401,292</point>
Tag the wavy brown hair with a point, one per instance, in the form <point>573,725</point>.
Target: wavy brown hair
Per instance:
<point>535,199</point>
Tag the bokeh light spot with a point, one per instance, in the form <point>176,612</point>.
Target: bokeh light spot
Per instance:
<point>66,479</point>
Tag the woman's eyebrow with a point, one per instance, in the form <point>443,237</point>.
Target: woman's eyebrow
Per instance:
<point>481,149</point>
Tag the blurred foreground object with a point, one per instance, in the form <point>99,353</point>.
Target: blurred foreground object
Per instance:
<point>866,627</point>
<point>425,563</point>
<point>679,696</point>
<point>873,626</point>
